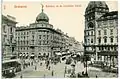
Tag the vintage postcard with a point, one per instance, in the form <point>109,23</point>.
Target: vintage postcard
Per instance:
<point>59,39</point>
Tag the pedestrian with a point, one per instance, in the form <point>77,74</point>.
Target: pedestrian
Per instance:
<point>44,75</point>
<point>83,73</point>
<point>21,76</point>
<point>52,73</point>
<point>96,76</point>
<point>41,64</point>
<point>35,67</point>
<point>49,68</point>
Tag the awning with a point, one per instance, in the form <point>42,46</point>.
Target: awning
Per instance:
<point>108,53</point>
<point>32,55</point>
<point>23,54</point>
<point>26,55</point>
<point>79,53</point>
<point>74,56</point>
<point>12,60</point>
<point>58,54</point>
<point>63,52</point>
<point>20,55</point>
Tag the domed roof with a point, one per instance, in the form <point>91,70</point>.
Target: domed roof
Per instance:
<point>42,17</point>
<point>94,4</point>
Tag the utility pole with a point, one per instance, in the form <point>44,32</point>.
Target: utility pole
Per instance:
<point>86,59</point>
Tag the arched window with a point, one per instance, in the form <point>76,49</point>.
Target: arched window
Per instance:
<point>105,40</point>
<point>91,40</point>
<point>90,25</point>
<point>91,32</point>
<point>111,40</point>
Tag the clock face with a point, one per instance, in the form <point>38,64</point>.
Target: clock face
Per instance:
<point>90,25</point>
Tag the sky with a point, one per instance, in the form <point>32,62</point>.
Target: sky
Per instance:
<point>69,18</point>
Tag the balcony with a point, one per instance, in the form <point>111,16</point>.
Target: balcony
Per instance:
<point>108,52</point>
<point>89,51</point>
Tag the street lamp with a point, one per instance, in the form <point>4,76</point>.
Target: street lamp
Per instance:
<point>21,65</point>
<point>86,59</point>
<point>21,60</point>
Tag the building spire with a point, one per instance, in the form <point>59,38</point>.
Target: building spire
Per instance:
<point>42,7</point>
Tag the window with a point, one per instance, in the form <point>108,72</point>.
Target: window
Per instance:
<point>104,23</point>
<point>105,40</point>
<point>88,33</point>
<point>33,32</point>
<point>117,39</point>
<point>85,41</point>
<point>111,31</point>
<point>10,30</point>
<point>99,32</point>
<point>4,28</point>
<point>102,48</point>
<point>90,25</point>
<point>43,42</point>
<point>33,37</point>
<point>32,42</point>
<point>27,42</point>
<point>99,48</point>
<point>47,42</point>
<point>91,32</point>
<point>99,40</point>
<point>111,39</point>
<point>115,48</point>
<point>105,32</point>
<point>111,48</point>
<point>88,41</point>
<point>39,42</point>
<point>39,36</point>
<point>91,40</point>
<point>24,33</point>
<point>24,37</point>
<point>43,35</point>
<point>111,22</point>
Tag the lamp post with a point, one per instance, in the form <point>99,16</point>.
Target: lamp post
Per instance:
<point>86,59</point>
<point>21,66</point>
<point>21,60</point>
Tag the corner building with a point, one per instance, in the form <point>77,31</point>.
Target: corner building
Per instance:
<point>39,38</point>
<point>101,32</point>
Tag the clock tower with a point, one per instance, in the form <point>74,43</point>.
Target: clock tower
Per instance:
<point>94,10</point>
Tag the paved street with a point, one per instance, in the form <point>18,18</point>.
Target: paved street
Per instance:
<point>58,71</point>
<point>42,72</point>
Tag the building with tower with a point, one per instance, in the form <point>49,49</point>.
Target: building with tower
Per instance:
<point>101,32</point>
<point>41,39</point>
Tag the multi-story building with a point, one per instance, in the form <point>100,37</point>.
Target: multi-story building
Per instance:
<point>75,46</point>
<point>107,37</point>
<point>40,38</point>
<point>100,34</point>
<point>8,37</point>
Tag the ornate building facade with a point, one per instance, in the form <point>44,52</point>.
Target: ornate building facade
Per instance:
<point>8,37</point>
<point>100,34</point>
<point>41,39</point>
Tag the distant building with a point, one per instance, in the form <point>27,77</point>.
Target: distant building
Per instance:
<point>8,37</point>
<point>101,32</point>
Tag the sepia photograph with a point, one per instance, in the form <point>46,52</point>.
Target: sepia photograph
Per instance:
<point>59,39</point>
